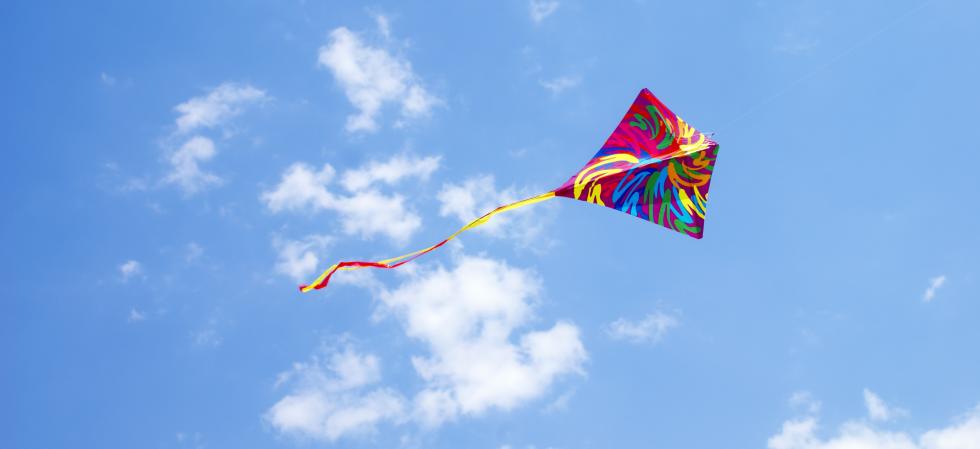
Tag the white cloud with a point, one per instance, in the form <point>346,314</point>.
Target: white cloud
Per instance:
<point>301,188</point>
<point>651,329</point>
<point>466,317</point>
<point>934,285</point>
<point>195,440</point>
<point>473,198</point>
<point>964,434</point>
<point>795,434</point>
<point>804,400</point>
<point>878,410</point>
<point>479,195</point>
<point>365,210</point>
<point>371,213</point>
<point>371,77</point>
<point>541,9</point>
<point>135,315</point>
<point>129,269</point>
<point>107,79</point>
<point>298,259</point>
<point>207,337</point>
<point>558,85</point>
<point>432,407</point>
<point>219,105</point>
<point>802,433</point>
<point>560,404</point>
<point>390,171</point>
<point>185,165</point>
<point>193,252</point>
<point>384,25</point>
<point>330,399</point>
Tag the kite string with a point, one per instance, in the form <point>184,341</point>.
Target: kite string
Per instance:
<point>395,262</point>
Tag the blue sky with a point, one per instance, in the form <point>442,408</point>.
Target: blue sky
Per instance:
<point>173,171</point>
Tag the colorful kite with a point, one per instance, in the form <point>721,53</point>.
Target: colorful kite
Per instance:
<point>654,166</point>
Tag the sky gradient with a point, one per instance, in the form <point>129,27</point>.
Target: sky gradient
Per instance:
<point>174,171</point>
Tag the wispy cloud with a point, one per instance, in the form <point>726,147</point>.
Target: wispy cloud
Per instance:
<point>196,115</point>
<point>389,172</point>
<point>650,329</point>
<point>478,195</point>
<point>806,401</point>
<point>364,210</point>
<point>560,403</point>
<point>384,25</point>
<point>207,337</point>
<point>466,318</point>
<point>470,319</point>
<point>332,396</point>
<point>802,433</point>
<point>192,252</point>
<point>130,269</point>
<point>558,85</point>
<point>107,79</point>
<point>185,165</point>
<point>222,103</point>
<point>135,316</point>
<point>541,9</point>
<point>934,285</point>
<point>192,439</point>
<point>299,259</point>
<point>878,410</point>
<point>372,76</point>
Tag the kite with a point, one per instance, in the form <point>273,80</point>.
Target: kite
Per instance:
<point>654,166</point>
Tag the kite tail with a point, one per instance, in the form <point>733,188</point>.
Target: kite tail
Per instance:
<point>396,262</point>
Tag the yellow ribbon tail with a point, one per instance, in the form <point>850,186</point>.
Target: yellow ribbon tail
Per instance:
<point>395,262</point>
